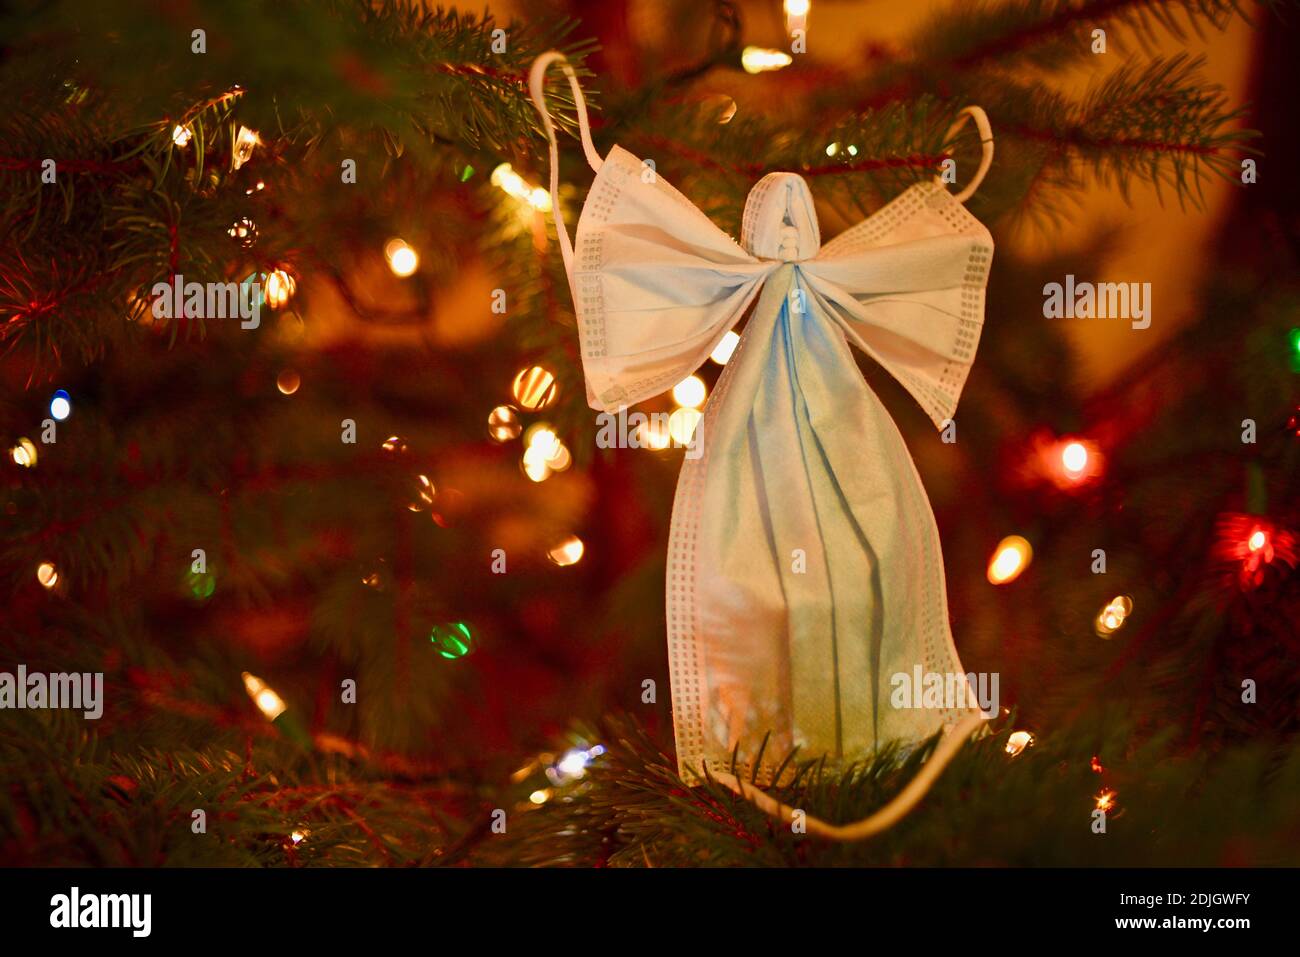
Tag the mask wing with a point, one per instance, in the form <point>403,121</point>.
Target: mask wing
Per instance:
<point>657,284</point>
<point>907,287</point>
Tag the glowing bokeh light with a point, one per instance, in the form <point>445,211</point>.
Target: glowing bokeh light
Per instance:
<point>690,392</point>
<point>1010,558</point>
<point>61,405</point>
<point>724,349</point>
<point>1111,618</point>
<point>402,259</point>
<point>268,702</point>
<point>1018,741</point>
<point>47,574</point>
<point>761,59</point>
<point>568,552</point>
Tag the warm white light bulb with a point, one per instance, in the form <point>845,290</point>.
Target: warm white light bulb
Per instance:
<point>690,392</point>
<point>1012,556</point>
<point>268,702</point>
<point>723,350</point>
<point>760,59</point>
<point>1075,457</point>
<point>402,259</point>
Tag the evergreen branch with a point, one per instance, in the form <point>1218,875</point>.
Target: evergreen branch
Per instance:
<point>1049,35</point>
<point>1057,32</point>
<point>73,801</point>
<point>991,807</point>
<point>1155,122</point>
<point>163,206</point>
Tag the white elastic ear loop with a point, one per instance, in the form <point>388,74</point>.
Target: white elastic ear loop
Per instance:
<point>887,816</point>
<point>536,82</point>
<point>986,141</point>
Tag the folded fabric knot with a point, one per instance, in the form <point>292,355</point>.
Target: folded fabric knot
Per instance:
<point>780,222</point>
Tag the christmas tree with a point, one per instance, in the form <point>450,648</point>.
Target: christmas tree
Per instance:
<point>299,459</point>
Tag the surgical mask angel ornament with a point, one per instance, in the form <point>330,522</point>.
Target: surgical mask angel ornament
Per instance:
<point>804,566</point>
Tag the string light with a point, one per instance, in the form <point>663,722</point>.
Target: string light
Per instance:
<point>242,148</point>
<point>796,15</point>
<point>542,437</point>
<point>761,59</point>
<point>280,286</point>
<point>503,424</point>
<point>47,574</point>
<point>395,446</point>
<point>244,232</point>
<point>61,405</point>
<point>1018,741</point>
<point>288,381</point>
<point>690,392</point>
<point>268,702</point>
<point>568,552</point>
<point>425,494</point>
<point>402,259</point>
<point>540,796</point>
<point>202,585</point>
<point>1249,544</point>
<point>534,388</point>
<point>453,640</point>
<point>682,423</point>
<point>546,453</point>
<point>1074,457</point>
<point>534,465</point>
<point>560,458</point>
<point>1095,765</point>
<point>1106,799</point>
<point>573,765</point>
<point>1259,551</point>
<point>1068,462</point>
<point>181,136</point>
<point>23,453</point>
<point>1010,558</point>
<point>724,349</point>
<point>1111,618</point>
<point>511,183</point>
<point>654,435</point>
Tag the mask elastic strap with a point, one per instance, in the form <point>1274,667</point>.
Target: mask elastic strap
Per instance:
<point>986,142</point>
<point>887,816</point>
<point>536,82</point>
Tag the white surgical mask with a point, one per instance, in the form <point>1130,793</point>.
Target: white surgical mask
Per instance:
<point>804,566</point>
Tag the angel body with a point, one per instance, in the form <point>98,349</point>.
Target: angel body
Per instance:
<point>804,566</point>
